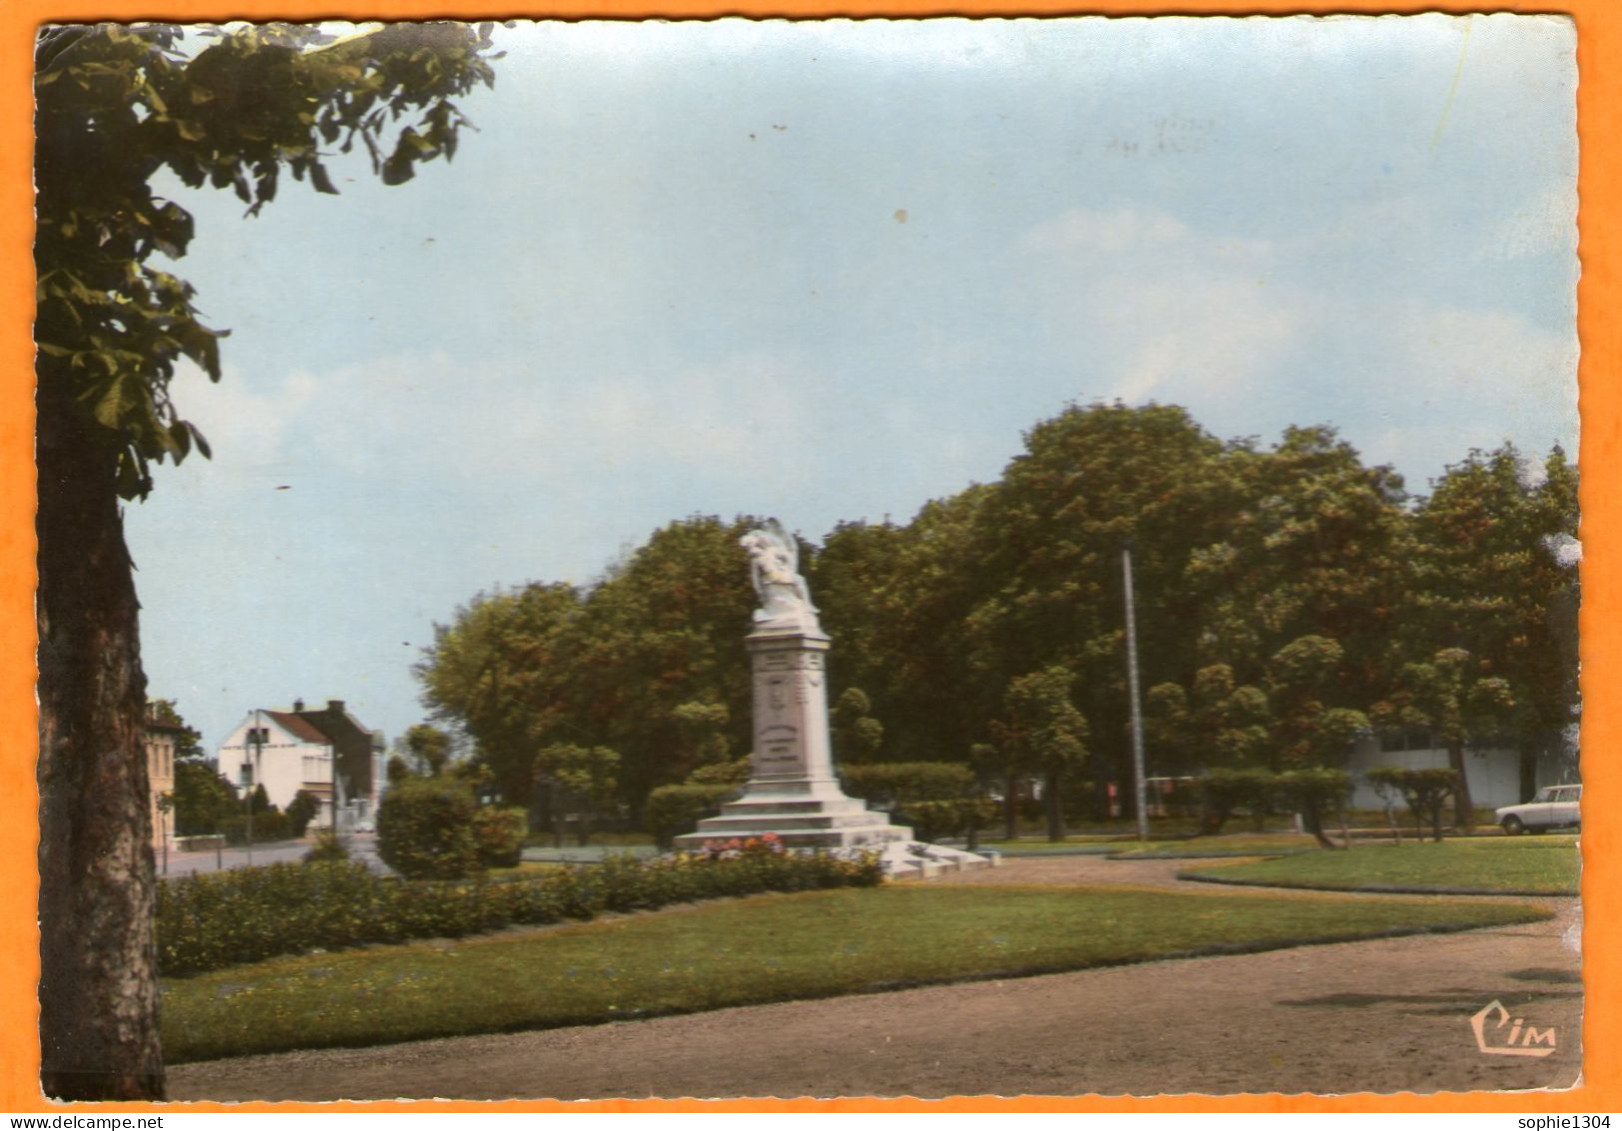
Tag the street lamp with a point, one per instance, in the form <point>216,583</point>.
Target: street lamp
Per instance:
<point>1132,690</point>
<point>250,773</point>
<point>166,802</point>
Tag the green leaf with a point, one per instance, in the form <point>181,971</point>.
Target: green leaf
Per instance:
<point>180,437</point>
<point>109,408</point>
<point>200,440</point>
<point>397,169</point>
<point>320,179</point>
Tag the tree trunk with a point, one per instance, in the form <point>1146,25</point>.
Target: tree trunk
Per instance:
<point>98,986</point>
<point>1312,820</point>
<point>1055,806</point>
<point>1464,809</point>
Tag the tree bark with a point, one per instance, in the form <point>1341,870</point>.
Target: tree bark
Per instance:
<point>1055,806</point>
<point>1464,809</point>
<point>1312,819</point>
<point>98,986</point>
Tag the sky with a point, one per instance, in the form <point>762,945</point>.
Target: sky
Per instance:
<point>829,271</point>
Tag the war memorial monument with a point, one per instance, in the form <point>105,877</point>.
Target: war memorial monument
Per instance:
<point>792,791</point>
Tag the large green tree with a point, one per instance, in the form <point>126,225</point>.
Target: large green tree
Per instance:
<point>1041,732</point>
<point>896,600</point>
<point>203,797</point>
<point>1452,694</point>
<point>1493,571</point>
<point>1308,542</point>
<point>648,662</point>
<point>497,672</point>
<point>1312,727</point>
<point>1048,545</point>
<point>234,109</point>
<point>1218,725</point>
<point>658,652</point>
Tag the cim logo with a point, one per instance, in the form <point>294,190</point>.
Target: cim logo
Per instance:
<point>1523,1039</point>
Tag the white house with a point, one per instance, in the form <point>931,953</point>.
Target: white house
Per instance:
<point>325,752</point>
<point>1494,773</point>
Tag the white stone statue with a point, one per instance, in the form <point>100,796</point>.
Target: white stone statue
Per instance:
<point>774,565</point>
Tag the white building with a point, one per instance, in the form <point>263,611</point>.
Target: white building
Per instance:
<point>1495,774</point>
<point>325,752</point>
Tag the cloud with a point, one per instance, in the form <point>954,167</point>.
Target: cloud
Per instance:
<point>1493,363</point>
<point>1129,231</point>
<point>1161,308</point>
<point>1253,334</point>
<point>1544,224</point>
<point>244,426</point>
<point>1111,232</point>
<point>454,424</point>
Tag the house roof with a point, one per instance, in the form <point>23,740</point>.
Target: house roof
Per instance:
<point>299,727</point>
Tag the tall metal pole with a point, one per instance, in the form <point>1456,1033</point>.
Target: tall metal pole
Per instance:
<point>1137,700</point>
<point>258,741</point>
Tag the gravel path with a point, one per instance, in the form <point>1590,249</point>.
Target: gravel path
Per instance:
<point>1387,1015</point>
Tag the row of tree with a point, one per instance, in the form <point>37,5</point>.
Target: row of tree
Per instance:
<point>1289,599</point>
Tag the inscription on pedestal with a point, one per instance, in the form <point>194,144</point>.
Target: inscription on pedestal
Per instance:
<point>779,746</point>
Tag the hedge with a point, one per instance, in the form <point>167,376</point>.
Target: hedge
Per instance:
<point>212,920</point>
<point>672,810</point>
<point>425,829</point>
<point>498,834</point>
<point>267,827</point>
<point>896,784</point>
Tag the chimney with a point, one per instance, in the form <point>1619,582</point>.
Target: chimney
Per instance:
<point>336,706</point>
<point>298,705</point>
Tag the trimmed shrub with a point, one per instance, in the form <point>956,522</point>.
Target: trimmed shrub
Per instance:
<point>937,799</point>
<point>895,784</point>
<point>1222,791</point>
<point>498,835</point>
<point>1316,794</point>
<point>328,847</point>
<point>963,816</point>
<point>300,812</point>
<point>1426,791</point>
<point>425,829</point>
<point>672,810</point>
<point>267,826</point>
<point>212,920</point>
<point>722,773</point>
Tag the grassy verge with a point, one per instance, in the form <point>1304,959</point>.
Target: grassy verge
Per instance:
<point>747,951</point>
<point>1525,865</point>
<point>1238,844</point>
<point>1072,846</point>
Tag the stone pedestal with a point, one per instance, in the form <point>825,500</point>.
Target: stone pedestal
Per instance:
<point>792,791</point>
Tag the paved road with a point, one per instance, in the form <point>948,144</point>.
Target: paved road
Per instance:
<point>362,846</point>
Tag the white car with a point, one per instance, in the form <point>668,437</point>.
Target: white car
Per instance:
<point>1554,806</point>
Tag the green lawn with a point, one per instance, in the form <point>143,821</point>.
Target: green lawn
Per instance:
<point>1236,844</point>
<point>1070,846</point>
<point>1547,865</point>
<point>745,951</point>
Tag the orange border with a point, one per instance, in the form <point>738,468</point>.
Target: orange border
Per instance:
<point>1599,24</point>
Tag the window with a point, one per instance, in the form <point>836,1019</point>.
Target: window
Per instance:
<point>1406,738</point>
